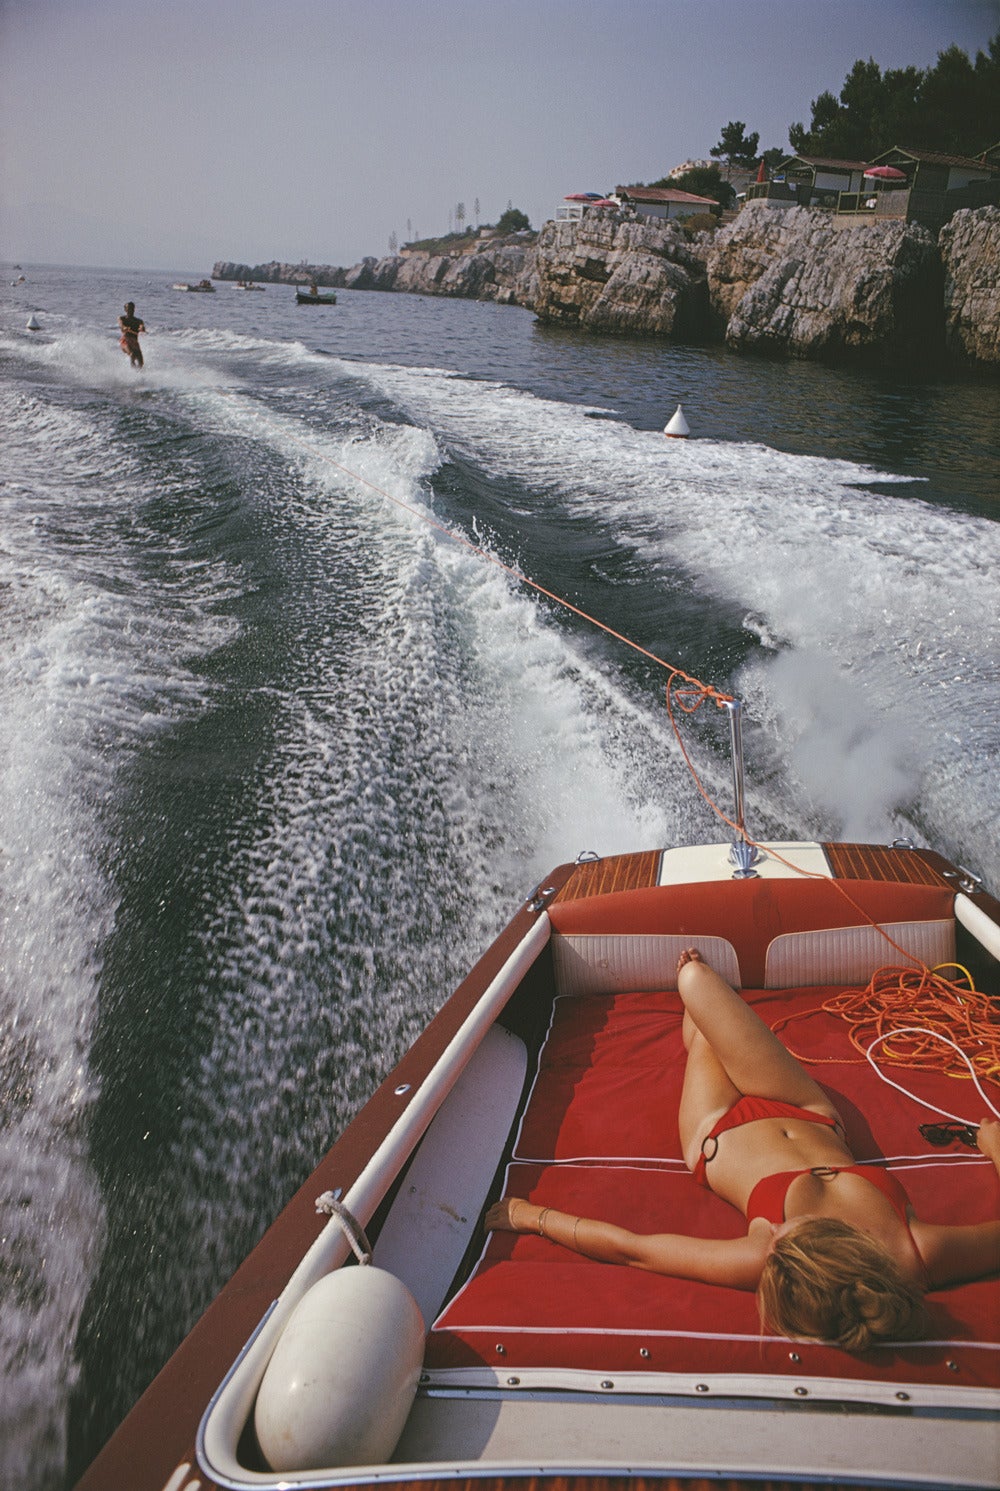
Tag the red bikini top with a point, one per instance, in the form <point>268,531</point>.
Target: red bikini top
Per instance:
<point>767,1199</point>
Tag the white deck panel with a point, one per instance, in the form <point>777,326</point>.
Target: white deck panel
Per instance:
<point>703,862</point>
<point>437,1209</point>
<point>724,1439</point>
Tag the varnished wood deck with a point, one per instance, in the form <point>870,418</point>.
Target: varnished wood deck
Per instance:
<point>876,862</point>
<point>847,861</point>
<point>617,872</point>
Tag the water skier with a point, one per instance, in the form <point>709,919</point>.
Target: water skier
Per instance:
<point>130,326</point>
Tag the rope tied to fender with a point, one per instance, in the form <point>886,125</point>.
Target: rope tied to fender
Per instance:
<point>328,1205</point>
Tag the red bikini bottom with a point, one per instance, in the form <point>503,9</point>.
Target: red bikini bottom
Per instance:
<point>746,1110</point>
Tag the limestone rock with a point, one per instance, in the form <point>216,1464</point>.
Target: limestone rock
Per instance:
<point>614,274</point>
<point>363,276</point>
<point>783,283</point>
<point>492,269</point>
<point>970,251</point>
<point>276,273</point>
<point>793,283</point>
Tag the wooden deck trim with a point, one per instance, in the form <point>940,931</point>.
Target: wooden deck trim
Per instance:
<point>601,877</point>
<point>875,862</point>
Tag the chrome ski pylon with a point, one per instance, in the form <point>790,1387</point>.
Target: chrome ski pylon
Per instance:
<point>743,855</point>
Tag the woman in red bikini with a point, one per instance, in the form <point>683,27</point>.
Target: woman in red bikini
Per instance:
<point>833,1249</point>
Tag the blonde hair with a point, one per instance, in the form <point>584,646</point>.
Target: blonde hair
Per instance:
<point>825,1280</point>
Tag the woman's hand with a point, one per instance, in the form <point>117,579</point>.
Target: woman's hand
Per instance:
<point>988,1138</point>
<point>509,1215</point>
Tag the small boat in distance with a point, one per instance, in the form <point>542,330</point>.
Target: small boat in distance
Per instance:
<point>312,296</point>
<point>202,287</point>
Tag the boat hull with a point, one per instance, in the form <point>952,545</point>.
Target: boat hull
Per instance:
<point>506,1416</point>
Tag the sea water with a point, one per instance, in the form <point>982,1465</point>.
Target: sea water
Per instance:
<point>279,754</point>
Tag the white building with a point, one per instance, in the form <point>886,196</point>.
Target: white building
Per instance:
<point>663,201</point>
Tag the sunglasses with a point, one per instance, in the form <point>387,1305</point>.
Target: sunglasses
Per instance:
<point>940,1134</point>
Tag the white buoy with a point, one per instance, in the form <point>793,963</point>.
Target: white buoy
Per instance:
<point>33,323</point>
<point>677,428</point>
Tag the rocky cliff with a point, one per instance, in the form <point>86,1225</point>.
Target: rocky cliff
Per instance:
<point>611,274</point>
<point>970,252</point>
<point>794,283</point>
<point>497,269</point>
<point>781,283</point>
<point>276,273</point>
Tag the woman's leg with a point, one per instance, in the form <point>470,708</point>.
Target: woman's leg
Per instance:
<point>749,1054</point>
<point>707,1093</point>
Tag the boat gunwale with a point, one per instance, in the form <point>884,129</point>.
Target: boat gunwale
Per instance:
<point>224,1420</point>
<point>208,1354</point>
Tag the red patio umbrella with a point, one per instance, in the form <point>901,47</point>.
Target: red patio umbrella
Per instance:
<point>885,173</point>
<point>762,170</point>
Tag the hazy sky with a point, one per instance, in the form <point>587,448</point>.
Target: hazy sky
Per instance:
<point>171,133</point>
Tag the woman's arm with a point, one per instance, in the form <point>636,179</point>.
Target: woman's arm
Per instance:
<point>988,1140</point>
<point>954,1255</point>
<point>735,1261</point>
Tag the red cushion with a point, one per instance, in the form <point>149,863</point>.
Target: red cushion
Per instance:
<point>607,1089</point>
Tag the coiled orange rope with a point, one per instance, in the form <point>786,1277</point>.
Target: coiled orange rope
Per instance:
<point>918,1018</point>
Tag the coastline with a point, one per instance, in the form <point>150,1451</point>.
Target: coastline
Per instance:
<point>782,284</point>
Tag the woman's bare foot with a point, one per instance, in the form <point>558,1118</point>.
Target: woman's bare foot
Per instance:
<point>689,955</point>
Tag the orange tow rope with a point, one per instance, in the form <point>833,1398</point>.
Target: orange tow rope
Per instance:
<point>697,691</point>
<point>689,698</point>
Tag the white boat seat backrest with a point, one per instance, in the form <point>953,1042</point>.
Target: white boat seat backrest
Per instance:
<point>614,962</point>
<point>850,955</point>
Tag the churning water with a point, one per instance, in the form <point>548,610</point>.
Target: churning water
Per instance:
<point>278,756</point>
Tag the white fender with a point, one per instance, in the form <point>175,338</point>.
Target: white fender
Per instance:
<point>342,1378</point>
<point>677,427</point>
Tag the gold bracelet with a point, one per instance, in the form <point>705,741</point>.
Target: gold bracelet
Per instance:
<point>541,1221</point>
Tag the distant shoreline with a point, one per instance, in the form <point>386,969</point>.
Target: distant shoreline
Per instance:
<point>777,284</point>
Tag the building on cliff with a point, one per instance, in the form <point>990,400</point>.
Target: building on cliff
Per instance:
<point>573,208</point>
<point>808,181</point>
<point>912,186</point>
<point>663,202</point>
